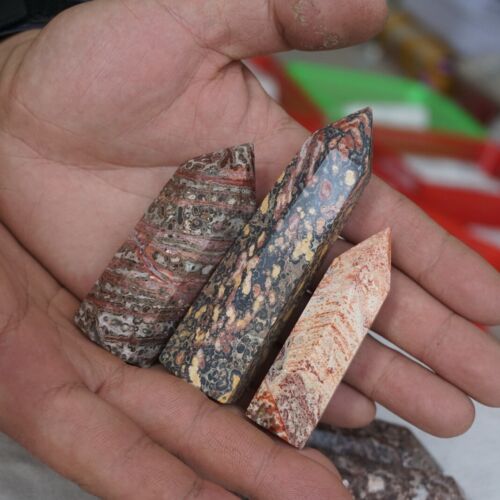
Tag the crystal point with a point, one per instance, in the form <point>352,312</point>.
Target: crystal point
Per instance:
<point>155,275</point>
<point>226,335</point>
<point>310,366</point>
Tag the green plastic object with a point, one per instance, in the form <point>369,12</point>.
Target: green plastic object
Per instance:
<point>332,89</point>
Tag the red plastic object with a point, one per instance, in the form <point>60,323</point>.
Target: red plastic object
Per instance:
<point>452,208</point>
<point>485,154</point>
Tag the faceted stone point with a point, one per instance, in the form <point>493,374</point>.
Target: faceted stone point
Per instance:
<point>226,335</point>
<point>156,274</point>
<point>301,382</point>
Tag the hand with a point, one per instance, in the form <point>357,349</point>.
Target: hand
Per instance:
<point>95,108</point>
<point>99,108</point>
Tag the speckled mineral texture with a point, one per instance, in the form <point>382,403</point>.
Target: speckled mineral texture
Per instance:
<point>384,461</point>
<point>156,274</point>
<point>226,335</point>
<point>300,383</point>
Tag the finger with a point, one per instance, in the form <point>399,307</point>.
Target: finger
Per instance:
<point>308,452</point>
<point>318,457</point>
<point>219,444</point>
<point>445,267</point>
<point>241,29</point>
<point>349,408</point>
<point>88,441</point>
<point>58,419</point>
<point>451,346</point>
<point>410,390</point>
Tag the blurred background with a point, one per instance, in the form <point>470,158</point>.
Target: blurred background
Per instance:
<point>432,78</point>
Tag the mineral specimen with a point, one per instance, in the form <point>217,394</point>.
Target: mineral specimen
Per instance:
<point>157,273</point>
<point>226,334</point>
<point>384,461</point>
<point>298,387</point>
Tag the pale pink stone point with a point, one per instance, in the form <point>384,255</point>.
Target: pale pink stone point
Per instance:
<point>316,355</point>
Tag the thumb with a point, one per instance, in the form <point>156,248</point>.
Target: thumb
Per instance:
<point>244,28</point>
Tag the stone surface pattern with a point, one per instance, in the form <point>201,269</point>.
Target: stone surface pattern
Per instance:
<point>384,461</point>
<point>226,334</point>
<point>310,366</point>
<point>156,274</point>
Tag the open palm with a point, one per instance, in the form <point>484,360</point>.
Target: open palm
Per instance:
<point>98,110</point>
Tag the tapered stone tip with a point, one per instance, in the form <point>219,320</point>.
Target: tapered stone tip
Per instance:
<point>234,165</point>
<point>382,241</point>
<point>378,244</point>
<point>370,260</point>
<point>243,161</point>
<point>368,114</point>
<point>363,116</point>
<point>352,137</point>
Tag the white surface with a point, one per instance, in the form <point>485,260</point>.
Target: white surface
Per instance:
<point>468,26</point>
<point>22,477</point>
<point>451,172</point>
<point>473,459</point>
<point>413,116</point>
<point>268,83</point>
<point>487,234</point>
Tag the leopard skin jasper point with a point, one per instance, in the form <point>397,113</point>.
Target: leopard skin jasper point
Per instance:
<point>226,336</point>
<point>156,274</point>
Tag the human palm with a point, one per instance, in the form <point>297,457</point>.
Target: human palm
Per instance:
<point>99,109</point>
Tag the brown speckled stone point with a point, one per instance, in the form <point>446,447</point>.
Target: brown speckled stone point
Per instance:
<point>153,278</point>
<point>310,366</point>
<point>384,462</point>
<point>227,333</point>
